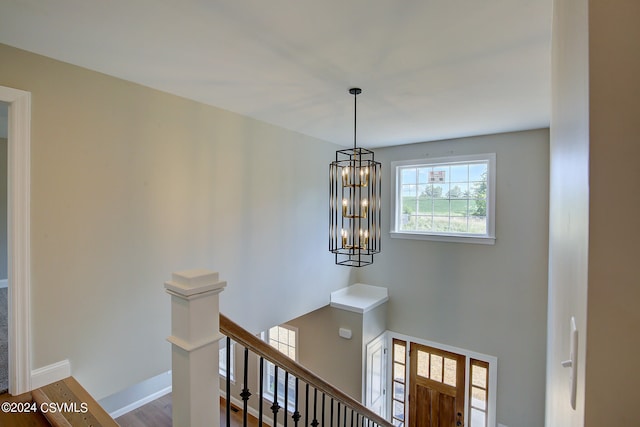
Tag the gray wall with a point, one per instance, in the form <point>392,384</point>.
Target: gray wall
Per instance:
<point>338,360</point>
<point>335,359</point>
<point>489,299</point>
<point>128,185</point>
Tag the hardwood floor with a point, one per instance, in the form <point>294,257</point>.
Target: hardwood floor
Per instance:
<point>33,419</point>
<point>158,414</point>
<point>155,413</point>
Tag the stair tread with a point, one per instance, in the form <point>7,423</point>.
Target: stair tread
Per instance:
<point>21,419</point>
<point>83,409</point>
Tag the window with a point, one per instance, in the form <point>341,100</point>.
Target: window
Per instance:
<point>284,338</point>
<point>399,370</point>
<point>479,393</point>
<point>222,359</point>
<point>447,199</point>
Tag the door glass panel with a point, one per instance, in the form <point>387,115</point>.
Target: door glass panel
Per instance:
<point>398,410</point>
<point>423,364</point>
<point>479,376</point>
<point>479,398</point>
<point>436,367</point>
<point>477,418</point>
<point>479,393</point>
<point>450,371</point>
<point>398,391</point>
<point>398,353</point>
<point>398,372</point>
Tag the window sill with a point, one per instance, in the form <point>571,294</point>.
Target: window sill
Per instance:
<point>452,238</point>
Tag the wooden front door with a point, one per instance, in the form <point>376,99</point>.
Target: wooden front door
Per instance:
<point>436,381</point>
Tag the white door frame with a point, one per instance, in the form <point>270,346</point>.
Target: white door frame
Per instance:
<point>377,344</point>
<point>19,243</point>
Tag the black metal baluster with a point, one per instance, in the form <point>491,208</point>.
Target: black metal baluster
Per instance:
<point>331,417</point>
<point>245,391</point>
<point>275,407</point>
<point>351,417</point>
<point>306,405</point>
<point>344,423</point>
<point>323,411</point>
<point>261,391</point>
<point>296,413</point>
<point>228,382</point>
<point>338,418</point>
<point>286,397</point>
<point>314,423</point>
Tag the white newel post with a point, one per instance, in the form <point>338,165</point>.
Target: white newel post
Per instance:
<point>195,332</point>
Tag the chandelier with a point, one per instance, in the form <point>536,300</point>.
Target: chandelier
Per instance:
<point>354,200</point>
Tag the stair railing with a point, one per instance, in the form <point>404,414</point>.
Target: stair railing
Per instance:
<point>335,408</point>
<point>196,324</point>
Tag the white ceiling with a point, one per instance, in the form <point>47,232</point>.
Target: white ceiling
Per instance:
<point>429,69</point>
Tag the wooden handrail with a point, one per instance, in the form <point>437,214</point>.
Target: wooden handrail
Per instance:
<point>263,349</point>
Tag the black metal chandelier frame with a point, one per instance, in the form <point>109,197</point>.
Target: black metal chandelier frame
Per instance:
<point>355,184</point>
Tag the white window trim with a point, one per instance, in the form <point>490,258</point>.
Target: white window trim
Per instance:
<point>488,239</point>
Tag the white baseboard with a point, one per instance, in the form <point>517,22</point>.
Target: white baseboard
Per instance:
<point>49,374</point>
<point>137,395</point>
<point>4,283</point>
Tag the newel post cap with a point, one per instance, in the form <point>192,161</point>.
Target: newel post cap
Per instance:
<point>193,282</point>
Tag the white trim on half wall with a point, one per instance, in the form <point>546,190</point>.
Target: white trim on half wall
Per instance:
<point>19,246</point>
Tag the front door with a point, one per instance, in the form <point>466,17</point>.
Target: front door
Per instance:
<point>436,381</point>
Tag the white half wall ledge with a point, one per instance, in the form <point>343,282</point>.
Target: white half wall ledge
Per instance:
<point>49,374</point>
<point>359,298</point>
